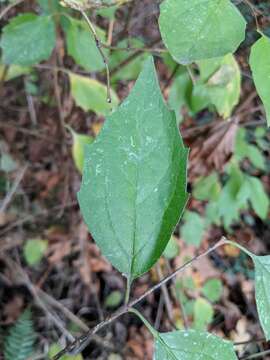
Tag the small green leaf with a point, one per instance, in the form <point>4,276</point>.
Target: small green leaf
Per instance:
<point>34,250</point>
<point>212,289</point>
<point>90,94</point>
<point>219,85</point>
<point>114,299</point>
<point>78,148</point>
<point>192,345</point>
<point>28,39</point>
<point>207,188</point>
<point>172,248</point>
<point>203,314</point>
<point>260,66</point>
<point>262,291</point>
<point>200,29</point>
<point>55,348</point>
<point>134,187</point>
<point>81,45</point>
<point>258,197</point>
<point>193,228</point>
<point>7,164</point>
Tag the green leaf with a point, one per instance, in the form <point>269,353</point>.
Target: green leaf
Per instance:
<point>200,29</point>
<point>13,71</point>
<point>78,147</point>
<point>34,250</point>
<point>245,150</point>
<point>192,345</point>
<point>262,291</point>
<point>172,248</point>
<point>203,314</point>
<point>132,69</point>
<point>212,289</point>
<point>207,188</point>
<point>28,39</point>
<point>55,348</point>
<point>114,299</point>
<point>90,94</point>
<point>134,179</point>
<point>219,85</point>
<point>81,45</point>
<point>260,66</point>
<point>258,197</point>
<point>179,94</point>
<point>193,228</point>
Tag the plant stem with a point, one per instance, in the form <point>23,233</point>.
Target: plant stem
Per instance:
<point>256,356</point>
<point>80,343</point>
<point>98,45</point>
<point>146,323</point>
<point>229,242</point>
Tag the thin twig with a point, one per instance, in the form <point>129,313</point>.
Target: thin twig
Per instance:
<point>99,47</point>
<point>9,7</point>
<point>165,292</point>
<point>256,356</point>
<point>80,343</point>
<point>13,189</point>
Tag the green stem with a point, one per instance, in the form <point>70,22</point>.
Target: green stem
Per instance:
<point>153,331</point>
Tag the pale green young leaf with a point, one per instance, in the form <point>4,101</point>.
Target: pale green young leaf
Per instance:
<point>78,147</point>
<point>193,228</point>
<point>192,345</point>
<point>28,39</point>
<point>81,45</point>
<point>90,94</point>
<point>207,188</point>
<point>134,179</point>
<point>34,250</point>
<point>258,197</point>
<point>219,84</point>
<point>260,66</point>
<point>113,299</point>
<point>212,289</point>
<point>193,30</point>
<point>55,348</point>
<point>203,314</point>
<point>172,248</point>
<point>262,291</point>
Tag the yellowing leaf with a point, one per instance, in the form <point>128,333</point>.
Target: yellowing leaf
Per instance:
<point>90,94</point>
<point>78,147</point>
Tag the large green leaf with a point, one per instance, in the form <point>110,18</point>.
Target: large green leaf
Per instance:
<point>200,29</point>
<point>90,94</point>
<point>28,39</point>
<point>260,66</point>
<point>134,179</point>
<point>81,44</point>
<point>262,291</point>
<point>192,345</point>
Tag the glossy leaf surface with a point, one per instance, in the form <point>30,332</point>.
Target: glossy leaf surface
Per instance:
<point>192,345</point>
